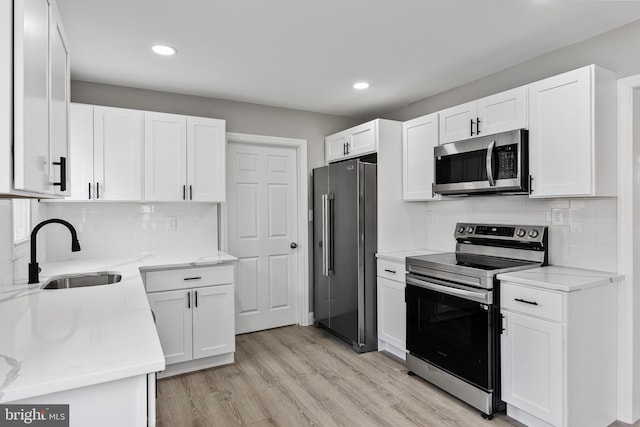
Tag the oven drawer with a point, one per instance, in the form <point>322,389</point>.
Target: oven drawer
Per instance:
<point>537,302</point>
<point>392,270</point>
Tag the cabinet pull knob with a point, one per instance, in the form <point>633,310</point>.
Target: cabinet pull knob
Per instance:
<point>525,301</point>
<point>471,125</point>
<point>63,174</point>
<point>193,278</point>
<point>189,299</point>
<point>196,299</point>
<point>477,125</point>
<point>89,191</point>
<point>184,192</point>
<point>390,271</point>
<point>191,192</point>
<point>97,190</point>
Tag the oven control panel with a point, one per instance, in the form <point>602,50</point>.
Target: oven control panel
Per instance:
<point>525,233</point>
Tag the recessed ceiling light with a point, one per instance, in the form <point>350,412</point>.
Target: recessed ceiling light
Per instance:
<point>361,85</point>
<point>161,49</point>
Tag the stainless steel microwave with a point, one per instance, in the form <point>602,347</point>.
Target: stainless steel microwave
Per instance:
<point>490,164</point>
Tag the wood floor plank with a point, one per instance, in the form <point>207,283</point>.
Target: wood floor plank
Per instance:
<point>302,376</point>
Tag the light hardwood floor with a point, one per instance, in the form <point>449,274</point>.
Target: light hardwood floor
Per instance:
<point>299,376</point>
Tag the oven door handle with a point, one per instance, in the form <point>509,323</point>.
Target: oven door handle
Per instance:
<point>481,297</point>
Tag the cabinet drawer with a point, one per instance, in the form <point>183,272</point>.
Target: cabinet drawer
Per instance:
<point>392,270</point>
<point>187,278</point>
<point>537,302</point>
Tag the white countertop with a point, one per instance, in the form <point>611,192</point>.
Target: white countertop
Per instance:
<point>558,278</point>
<point>55,340</point>
<point>400,256</point>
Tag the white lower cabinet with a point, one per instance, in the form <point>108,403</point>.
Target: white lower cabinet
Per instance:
<point>558,363</point>
<point>196,319</point>
<point>392,330</point>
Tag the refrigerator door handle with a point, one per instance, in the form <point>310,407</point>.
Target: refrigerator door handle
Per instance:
<point>325,264</point>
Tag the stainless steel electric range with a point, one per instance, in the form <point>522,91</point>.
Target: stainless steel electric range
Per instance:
<point>453,318</point>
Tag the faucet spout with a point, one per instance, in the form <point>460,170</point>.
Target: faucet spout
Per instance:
<point>34,269</point>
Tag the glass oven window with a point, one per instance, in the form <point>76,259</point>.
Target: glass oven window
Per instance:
<point>451,332</point>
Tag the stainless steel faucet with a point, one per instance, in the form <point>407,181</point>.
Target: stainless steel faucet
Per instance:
<point>34,270</point>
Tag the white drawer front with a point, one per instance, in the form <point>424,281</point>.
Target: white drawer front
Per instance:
<point>537,302</point>
<point>186,278</point>
<point>392,270</point>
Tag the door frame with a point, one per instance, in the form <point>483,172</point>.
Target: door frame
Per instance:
<point>302,209</point>
<point>627,227</point>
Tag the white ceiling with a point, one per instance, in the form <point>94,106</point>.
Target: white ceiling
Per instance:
<point>306,54</point>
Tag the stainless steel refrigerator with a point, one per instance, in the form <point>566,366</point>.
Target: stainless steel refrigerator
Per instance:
<point>344,246</point>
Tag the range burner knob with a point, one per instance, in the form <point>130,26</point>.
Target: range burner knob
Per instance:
<point>520,232</point>
<point>533,233</point>
<point>461,229</point>
<point>470,229</point>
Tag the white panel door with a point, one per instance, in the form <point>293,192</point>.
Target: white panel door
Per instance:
<point>31,96</point>
<point>503,112</point>
<point>165,150</point>
<point>419,137</point>
<point>117,139</point>
<point>59,102</point>
<point>172,310</point>
<point>459,122</point>
<point>81,151</point>
<point>532,366</point>
<point>213,321</point>
<point>262,201</point>
<point>206,145</point>
<point>560,135</point>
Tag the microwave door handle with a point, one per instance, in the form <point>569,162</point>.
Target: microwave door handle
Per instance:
<point>490,149</point>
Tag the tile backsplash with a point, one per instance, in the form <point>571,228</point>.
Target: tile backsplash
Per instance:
<point>128,229</point>
<point>582,232</point>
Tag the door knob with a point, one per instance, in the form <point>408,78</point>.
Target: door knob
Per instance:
<point>293,245</point>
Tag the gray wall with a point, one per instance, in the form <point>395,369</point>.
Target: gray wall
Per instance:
<point>615,50</point>
<point>241,117</point>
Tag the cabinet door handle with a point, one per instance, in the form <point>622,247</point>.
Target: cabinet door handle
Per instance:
<point>347,148</point>
<point>196,299</point>
<point>525,301</point>
<point>190,192</point>
<point>390,271</point>
<point>184,192</point>
<point>193,278</point>
<point>97,190</point>
<point>471,126</point>
<point>477,125</point>
<point>63,174</point>
<point>344,149</point>
<point>189,299</point>
<point>89,191</point>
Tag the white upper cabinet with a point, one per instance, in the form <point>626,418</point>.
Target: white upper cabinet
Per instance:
<point>60,98</point>
<point>117,156</point>
<point>34,88</point>
<point>106,145</point>
<point>419,137</point>
<point>354,142</point>
<point>493,114</point>
<point>165,148</point>
<point>206,165</point>
<point>184,158</point>
<point>572,134</point>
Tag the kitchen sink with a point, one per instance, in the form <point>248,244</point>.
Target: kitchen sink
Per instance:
<point>81,280</point>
